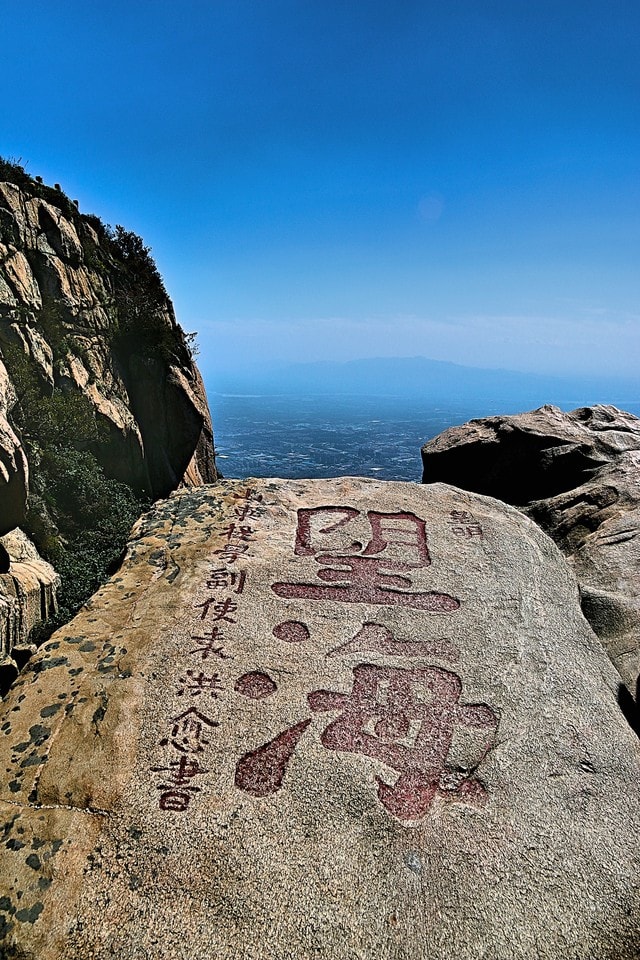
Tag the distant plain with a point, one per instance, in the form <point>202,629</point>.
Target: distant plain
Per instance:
<point>294,436</point>
<point>370,417</point>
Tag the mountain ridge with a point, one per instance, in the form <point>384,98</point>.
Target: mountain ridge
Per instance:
<point>422,376</point>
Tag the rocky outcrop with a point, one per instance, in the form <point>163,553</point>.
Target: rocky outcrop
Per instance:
<point>14,470</point>
<point>323,718</point>
<point>28,587</point>
<point>91,316</point>
<point>578,475</point>
<point>97,384</point>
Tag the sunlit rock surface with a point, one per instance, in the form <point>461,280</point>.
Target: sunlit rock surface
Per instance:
<point>578,475</point>
<point>82,316</point>
<point>323,718</point>
<point>28,586</point>
<point>57,278</point>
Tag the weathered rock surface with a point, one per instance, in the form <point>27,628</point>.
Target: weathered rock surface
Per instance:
<point>58,278</point>
<point>323,719</point>
<point>14,471</point>
<point>578,475</point>
<point>28,587</point>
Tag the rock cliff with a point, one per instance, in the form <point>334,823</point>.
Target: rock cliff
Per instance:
<point>28,586</point>
<point>577,475</point>
<point>14,469</point>
<point>315,719</point>
<point>101,405</point>
<point>89,311</point>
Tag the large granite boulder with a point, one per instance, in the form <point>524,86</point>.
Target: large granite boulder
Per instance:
<point>323,719</point>
<point>578,475</point>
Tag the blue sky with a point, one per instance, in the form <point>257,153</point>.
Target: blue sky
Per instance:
<point>332,180</point>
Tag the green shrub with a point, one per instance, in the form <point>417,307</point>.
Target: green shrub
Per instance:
<point>93,515</point>
<point>78,518</point>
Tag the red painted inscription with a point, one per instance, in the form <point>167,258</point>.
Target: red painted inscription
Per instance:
<point>401,534</point>
<point>291,631</point>
<point>262,771</point>
<point>404,718</point>
<point>255,685</point>
<point>376,638</point>
<point>375,574</point>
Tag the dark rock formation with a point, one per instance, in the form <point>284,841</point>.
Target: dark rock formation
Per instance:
<point>28,586</point>
<point>578,475</point>
<point>14,471</point>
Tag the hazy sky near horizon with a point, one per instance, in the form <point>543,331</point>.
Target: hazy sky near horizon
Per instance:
<point>333,179</point>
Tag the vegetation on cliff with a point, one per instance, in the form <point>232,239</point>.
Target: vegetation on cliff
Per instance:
<point>78,517</point>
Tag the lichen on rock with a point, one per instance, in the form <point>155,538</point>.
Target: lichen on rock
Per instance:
<point>314,719</point>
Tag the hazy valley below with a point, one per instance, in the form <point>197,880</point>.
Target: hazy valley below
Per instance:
<point>370,417</point>
<point>316,436</point>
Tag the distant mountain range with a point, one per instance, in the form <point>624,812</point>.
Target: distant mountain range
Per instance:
<point>427,379</point>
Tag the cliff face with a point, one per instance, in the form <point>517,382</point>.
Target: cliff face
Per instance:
<point>28,586</point>
<point>14,469</point>
<point>88,310</point>
<point>102,408</point>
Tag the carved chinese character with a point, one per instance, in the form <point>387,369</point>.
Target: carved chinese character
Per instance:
<point>212,645</point>
<point>464,524</point>
<point>375,573</point>
<point>249,494</point>
<point>175,800</point>
<point>461,516</point>
<point>223,579</point>
<point>232,552</point>
<point>246,512</point>
<point>176,794</point>
<point>188,731</point>
<point>221,608</point>
<point>400,535</point>
<point>238,532</point>
<point>197,683</point>
<point>181,772</point>
<point>403,718</point>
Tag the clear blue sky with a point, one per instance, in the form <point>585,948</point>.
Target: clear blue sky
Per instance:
<point>331,179</point>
